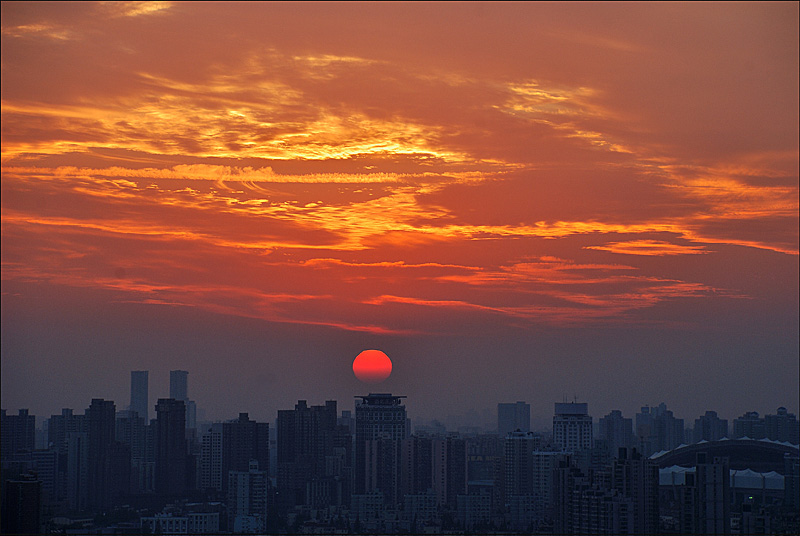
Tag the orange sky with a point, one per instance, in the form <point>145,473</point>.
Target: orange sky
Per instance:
<point>403,175</point>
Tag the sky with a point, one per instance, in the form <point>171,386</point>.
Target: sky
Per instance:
<point>514,201</point>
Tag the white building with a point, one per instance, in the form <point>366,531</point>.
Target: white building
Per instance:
<point>572,426</point>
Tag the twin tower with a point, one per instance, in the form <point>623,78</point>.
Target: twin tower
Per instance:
<point>178,389</point>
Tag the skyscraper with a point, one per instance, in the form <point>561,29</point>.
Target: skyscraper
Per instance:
<point>171,455</point>
<point>380,426</point>
<point>139,394</point>
<point>18,432</point>
<point>179,385</point>
<point>616,431</point>
<point>572,426</point>
<point>710,427</point>
<point>101,417</point>
<point>511,417</point>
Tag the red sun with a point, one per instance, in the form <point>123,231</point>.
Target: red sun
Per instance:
<point>372,366</point>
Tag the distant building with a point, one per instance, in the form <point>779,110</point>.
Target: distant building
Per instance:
<point>140,402</point>
<point>709,427</point>
<point>572,426</point>
<point>657,429</point>
<point>17,432</point>
<point>171,454</point>
<point>314,456</point>
<point>749,425</point>
<point>381,424</point>
<point>179,385</point>
<point>101,417</point>
<point>782,426</point>
<point>511,417</point>
<point>616,431</point>
<point>179,390</point>
<point>518,450</point>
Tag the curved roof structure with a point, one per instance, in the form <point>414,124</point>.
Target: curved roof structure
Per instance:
<point>760,455</point>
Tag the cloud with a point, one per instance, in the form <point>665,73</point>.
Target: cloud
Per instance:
<point>650,247</point>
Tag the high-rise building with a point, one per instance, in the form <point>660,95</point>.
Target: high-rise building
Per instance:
<point>248,499</point>
<point>449,470</point>
<point>616,431</point>
<point>17,432</point>
<point>131,431</point>
<point>657,429</point>
<point>511,417</point>
<point>244,441</point>
<point>101,417</point>
<point>710,494</point>
<point>518,449</point>
<point>211,459</point>
<point>710,427</point>
<point>749,425</point>
<point>313,455</point>
<point>22,506</point>
<point>782,426</point>
<point>572,426</point>
<point>179,385</point>
<point>380,426</point>
<point>171,454</point>
<point>636,478</point>
<point>139,394</point>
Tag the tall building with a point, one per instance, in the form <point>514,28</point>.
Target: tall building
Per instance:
<point>313,455</point>
<point>131,431</point>
<point>511,417</point>
<point>244,441</point>
<point>710,427</point>
<point>247,499</point>
<point>17,432</point>
<point>712,496</point>
<point>211,459</point>
<point>657,429</point>
<point>22,506</point>
<point>171,454</point>
<point>101,420</point>
<point>616,431</point>
<point>572,426</point>
<point>449,469</point>
<point>380,423</point>
<point>637,478</point>
<point>518,450</point>
<point>179,390</point>
<point>179,385</point>
<point>749,425</point>
<point>782,426</point>
<point>139,394</point>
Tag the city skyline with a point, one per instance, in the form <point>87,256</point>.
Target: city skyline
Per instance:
<point>521,201</point>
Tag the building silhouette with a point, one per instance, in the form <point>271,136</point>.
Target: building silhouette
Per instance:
<point>710,427</point>
<point>171,454</point>
<point>657,429</point>
<point>749,425</point>
<point>381,424</point>
<point>22,506</point>
<point>511,417</point>
<point>616,431</point>
<point>139,394</point>
<point>100,417</point>
<point>782,426</point>
<point>17,432</point>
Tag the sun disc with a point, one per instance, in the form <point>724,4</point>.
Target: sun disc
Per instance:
<point>372,366</point>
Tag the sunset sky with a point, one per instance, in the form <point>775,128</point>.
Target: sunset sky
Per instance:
<point>514,201</point>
